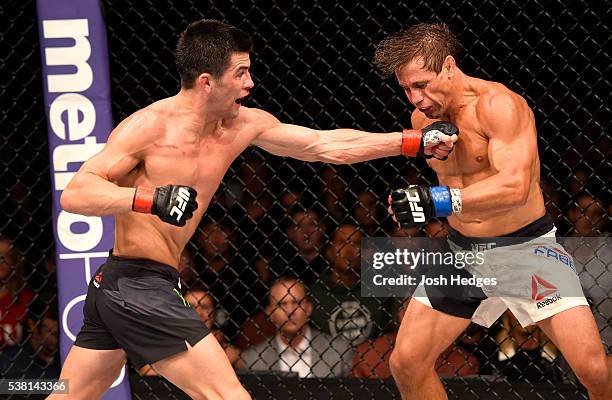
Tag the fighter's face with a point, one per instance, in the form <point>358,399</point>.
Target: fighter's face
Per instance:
<point>232,86</point>
<point>425,89</point>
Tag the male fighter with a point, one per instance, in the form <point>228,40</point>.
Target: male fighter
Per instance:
<point>157,175</point>
<point>490,188</point>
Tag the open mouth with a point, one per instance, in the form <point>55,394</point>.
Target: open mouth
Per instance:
<point>240,99</point>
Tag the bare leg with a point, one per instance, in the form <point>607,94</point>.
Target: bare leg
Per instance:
<point>574,332</point>
<point>424,334</point>
<point>90,372</point>
<point>203,372</point>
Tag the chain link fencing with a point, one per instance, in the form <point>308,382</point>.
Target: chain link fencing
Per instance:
<point>274,217</point>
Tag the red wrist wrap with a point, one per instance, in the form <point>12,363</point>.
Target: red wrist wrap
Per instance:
<point>143,199</point>
<point>411,142</point>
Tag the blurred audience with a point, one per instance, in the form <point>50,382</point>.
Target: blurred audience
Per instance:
<point>37,355</point>
<point>297,348</point>
<point>15,296</point>
<point>204,304</point>
<point>301,255</point>
<point>525,353</point>
<point>589,216</point>
<point>369,214</point>
<point>339,307</point>
<point>552,199</point>
<point>334,193</point>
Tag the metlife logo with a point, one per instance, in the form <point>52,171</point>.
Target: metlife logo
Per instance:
<point>76,89</point>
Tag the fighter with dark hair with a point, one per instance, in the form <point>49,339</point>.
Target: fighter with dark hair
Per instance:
<point>157,175</point>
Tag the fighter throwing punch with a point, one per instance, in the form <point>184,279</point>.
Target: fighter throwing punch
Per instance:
<point>490,187</point>
<point>156,175</point>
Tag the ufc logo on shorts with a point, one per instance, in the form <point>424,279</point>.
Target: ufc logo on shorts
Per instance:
<point>182,199</point>
<point>415,208</point>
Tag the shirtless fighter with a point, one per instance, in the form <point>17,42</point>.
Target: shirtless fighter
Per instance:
<point>157,175</point>
<point>490,187</point>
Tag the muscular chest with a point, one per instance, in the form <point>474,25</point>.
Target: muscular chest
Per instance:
<point>470,155</point>
<point>197,163</point>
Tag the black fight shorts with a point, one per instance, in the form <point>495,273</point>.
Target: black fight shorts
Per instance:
<point>136,305</point>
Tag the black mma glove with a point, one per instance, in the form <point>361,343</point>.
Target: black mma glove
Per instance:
<point>415,205</point>
<point>173,204</point>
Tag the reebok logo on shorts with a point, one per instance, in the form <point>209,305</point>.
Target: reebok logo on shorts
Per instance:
<point>97,280</point>
<point>540,289</point>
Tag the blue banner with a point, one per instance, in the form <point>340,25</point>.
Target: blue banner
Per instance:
<point>76,86</point>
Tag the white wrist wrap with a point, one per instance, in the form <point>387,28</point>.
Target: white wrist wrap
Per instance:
<point>456,200</point>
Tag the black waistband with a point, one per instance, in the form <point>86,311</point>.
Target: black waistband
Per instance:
<point>142,264</point>
<point>537,228</point>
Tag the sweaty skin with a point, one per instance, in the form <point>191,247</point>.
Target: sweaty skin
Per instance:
<point>495,162</point>
<point>191,139</point>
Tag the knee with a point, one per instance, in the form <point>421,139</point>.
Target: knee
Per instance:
<point>594,374</point>
<point>408,361</point>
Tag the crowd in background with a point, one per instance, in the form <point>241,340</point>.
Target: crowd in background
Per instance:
<point>276,280</point>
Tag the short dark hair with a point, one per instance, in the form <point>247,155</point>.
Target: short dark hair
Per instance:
<point>432,42</point>
<point>206,46</point>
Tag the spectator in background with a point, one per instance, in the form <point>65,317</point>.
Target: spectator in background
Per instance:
<point>204,304</point>
<point>15,296</point>
<point>339,307</point>
<point>372,357</point>
<point>258,326</point>
<point>37,355</point>
<point>233,284</point>
<point>369,214</point>
<point>334,193</point>
<point>552,199</point>
<point>592,256</point>
<point>43,277</point>
<point>297,348</point>
<point>578,181</point>
<point>302,254</point>
<point>589,216</point>
<point>526,353</point>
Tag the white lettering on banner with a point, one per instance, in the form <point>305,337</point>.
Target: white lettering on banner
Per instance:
<point>76,55</point>
<point>69,153</point>
<point>74,106</point>
<point>72,117</point>
<point>67,310</point>
<point>87,258</point>
<point>79,241</point>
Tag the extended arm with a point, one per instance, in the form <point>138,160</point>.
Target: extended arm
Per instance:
<point>338,146</point>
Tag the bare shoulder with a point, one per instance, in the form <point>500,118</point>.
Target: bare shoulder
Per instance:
<point>499,106</point>
<point>257,119</point>
<point>141,127</point>
<point>258,116</point>
<point>419,120</point>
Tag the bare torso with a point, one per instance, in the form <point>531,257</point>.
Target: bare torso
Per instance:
<point>470,163</point>
<point>178,156</point>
